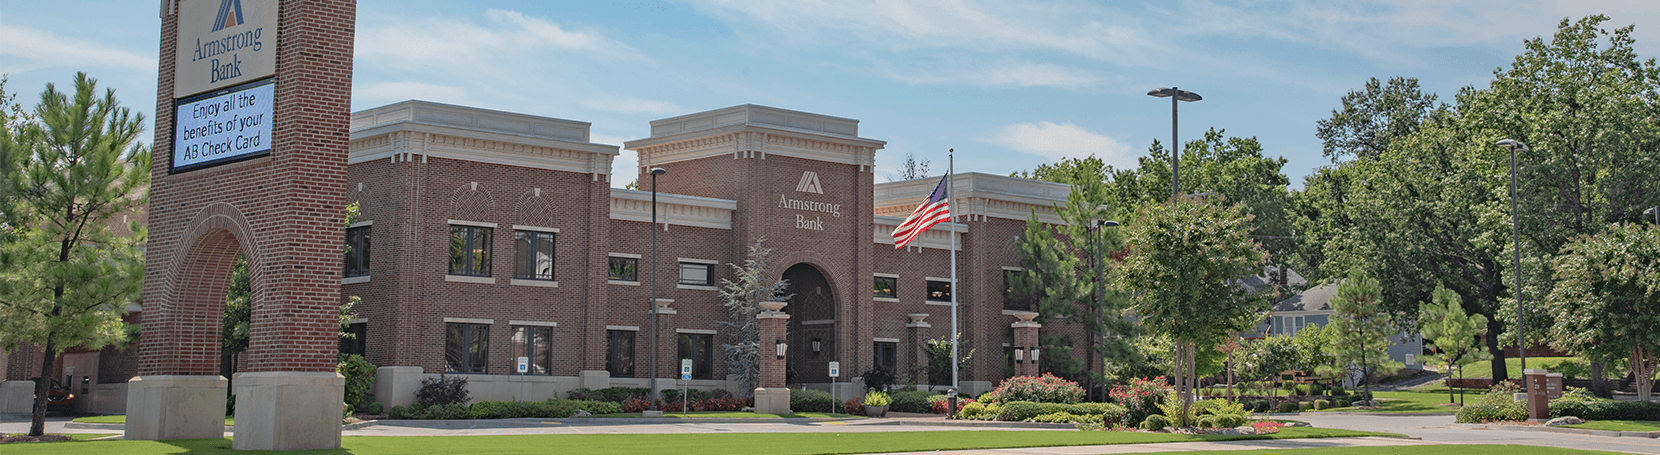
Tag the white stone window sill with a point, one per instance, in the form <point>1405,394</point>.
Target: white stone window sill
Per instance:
<point>887,299</point>
<point>536,283</point>
<point>623,282</point>
<point>936,302</point>
<point>470,279</point>
<point>696,287</point>
<point>354,280</point>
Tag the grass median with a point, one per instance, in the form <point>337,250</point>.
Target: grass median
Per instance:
<point>683,444</point>
<point>1619,425</point>
<point>1405,402</point>
<point>1451,449</point>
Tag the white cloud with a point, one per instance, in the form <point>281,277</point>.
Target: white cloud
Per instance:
<point>1016,74</point>
<point>1060,140</point>
<point>392,92</point>
<point>29,49</point>
<point>629,105</point>
<point>460,44</point>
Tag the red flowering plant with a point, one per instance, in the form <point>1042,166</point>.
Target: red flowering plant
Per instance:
<point>854,406</point>
<point>1042,389</point>
<point>1267,427</point>
<point>943,406</point>
<point>1140,396</point>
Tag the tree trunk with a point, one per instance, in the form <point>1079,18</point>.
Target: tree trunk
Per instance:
<point>1599,380</point>
<point>37,424</point>
<point>1500,372</point>
<point>1643,369</point>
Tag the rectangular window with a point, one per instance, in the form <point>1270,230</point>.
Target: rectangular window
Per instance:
<point>619,353</point>
<point>939,291</point>
<point>535,345</point>
<point>1014,299</point>
<point>695,274</point>
<point>357,251</point>
<point>351,341</point>
<point>470,250</point>
<point>700,348</point>
<point>887,356</point>
<point>623,269</point>
<point>887,287</point>
<point>533,255</point>
<point>466,348</point>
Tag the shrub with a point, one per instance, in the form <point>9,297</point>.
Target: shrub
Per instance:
<point>943,406</point>
<point>345,409</point>
<point>1155,422</point>
<point>988,397</point>
<point>372,407</point>
<point>911,401</point>
<point>1140,396</point>
<point>1322,404</point>
<point>1305,405</point>
<point>1218,406</point>
<point>1497,404</point>
<point>878,379</point>
<point>1600,409</point>
<point>811,401</point>
<point>1019,411</point>
<point>876,398</point>
<point>634,405</point>
<point>230,405</point>
<point>360,377</point>
<point>398,412</point>
<point>442,390</point>
<point>1316,389</point>
<point>1288,407</point>
<point>1206,421</point>
<point>1268,427</point>
<point>1341,402</point>
<point>1042,389</point>
<point>1230,420</point>
<point>853,407</point>
<point>1067,417</point>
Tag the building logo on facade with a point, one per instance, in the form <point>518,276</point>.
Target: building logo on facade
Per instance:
<point>809,183</point>
<point>230,15</point>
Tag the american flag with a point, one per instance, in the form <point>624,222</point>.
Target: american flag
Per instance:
<point>935,210</point>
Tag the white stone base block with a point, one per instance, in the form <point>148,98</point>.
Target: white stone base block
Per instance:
<point>17,398</point>
<point>596,379</point>
<point>176,407</point>
<point>288,410</point>
<point>772,401</point>
<point>396,386</point>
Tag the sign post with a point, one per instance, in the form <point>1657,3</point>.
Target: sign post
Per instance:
<point>685,383</point>
<point>835,371</point>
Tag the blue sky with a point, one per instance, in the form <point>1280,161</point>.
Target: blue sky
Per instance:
<point>1009,85</point>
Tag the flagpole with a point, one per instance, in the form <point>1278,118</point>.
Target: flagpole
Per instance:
<point>951,204</point>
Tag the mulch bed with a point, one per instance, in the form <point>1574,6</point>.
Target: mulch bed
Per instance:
<point>41,438</point>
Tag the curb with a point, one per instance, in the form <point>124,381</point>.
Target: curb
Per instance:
<point>1375,414</point>
<point>981,423</point>
<point>1584,431</point>
<point>123,427</point>
<point>540,422</point>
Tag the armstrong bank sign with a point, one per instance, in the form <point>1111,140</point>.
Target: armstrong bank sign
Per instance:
<point>223,43</point>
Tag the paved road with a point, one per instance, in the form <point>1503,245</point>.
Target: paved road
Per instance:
<point>1437,429</point>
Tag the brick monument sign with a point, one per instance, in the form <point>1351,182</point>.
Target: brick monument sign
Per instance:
<point>252,114</point>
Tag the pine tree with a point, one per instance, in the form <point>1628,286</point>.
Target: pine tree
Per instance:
<point>742,298</point>
<point>68,275</point>
<point>1451,333</point>
<point>1360,328</point>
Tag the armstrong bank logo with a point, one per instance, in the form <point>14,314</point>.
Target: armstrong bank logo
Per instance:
<point>230,15</point>
<point>809,183</point>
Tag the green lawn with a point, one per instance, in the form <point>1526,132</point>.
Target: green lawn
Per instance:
<point>121,419</point>
<point>1620,425</point>
<point>687,444</point>
<point>1405,402</point>
<point>1513,366</point>
<point>732,415</point>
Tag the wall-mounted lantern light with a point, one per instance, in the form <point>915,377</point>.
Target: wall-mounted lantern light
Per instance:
<point>1034,354</point>
<point>1019,354</point>
<point>782,346</point>
<point>817,346</point>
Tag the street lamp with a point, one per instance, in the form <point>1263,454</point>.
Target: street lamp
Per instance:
<point>1175,95</point>
<point>656,171</point>
<point>1653,211</point>
<point>1516,238</point>
<point>1095,227</point>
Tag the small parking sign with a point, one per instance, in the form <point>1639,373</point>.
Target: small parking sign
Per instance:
<point>835,369</point>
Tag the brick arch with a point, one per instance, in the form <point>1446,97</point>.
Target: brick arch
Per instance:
<point>804,366</point>
<point>534,209</point>
<point>468,203</point>
<point>182,327</point>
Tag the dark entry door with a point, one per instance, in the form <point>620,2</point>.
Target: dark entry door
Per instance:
<point>812,325</point>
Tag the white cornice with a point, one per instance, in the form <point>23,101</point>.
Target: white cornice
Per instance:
<point>978,196</point>
<point>936,237</point>
<point>672,209</point>
<point>751,131</point>
<point>417,129</point>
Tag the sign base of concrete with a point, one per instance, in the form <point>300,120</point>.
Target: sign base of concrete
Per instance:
<point>396,386</point>
<point>17,398</point>
<point>772,401</point>
<point>279,410</point>
<point>176,407</point>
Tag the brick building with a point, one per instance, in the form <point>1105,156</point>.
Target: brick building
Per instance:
<point>488,239</point>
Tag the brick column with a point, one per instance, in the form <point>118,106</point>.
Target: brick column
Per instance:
<point>771,397</point>
<point>1025,340</point>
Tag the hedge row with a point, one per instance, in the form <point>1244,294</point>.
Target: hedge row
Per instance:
<point>1020,411</point>
<point>551,409</point>
<point>1605,409</point>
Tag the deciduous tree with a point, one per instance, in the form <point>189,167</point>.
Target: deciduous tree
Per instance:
<point>1606,304</point>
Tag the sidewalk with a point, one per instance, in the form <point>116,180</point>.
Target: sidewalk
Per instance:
<point>1193,446</point>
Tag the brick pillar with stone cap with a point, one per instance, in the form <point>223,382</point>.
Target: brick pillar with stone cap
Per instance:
<point>771,397</point>
<point>1025,341</point>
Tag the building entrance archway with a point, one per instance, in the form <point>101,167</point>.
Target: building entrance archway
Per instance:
<point>812,326</point>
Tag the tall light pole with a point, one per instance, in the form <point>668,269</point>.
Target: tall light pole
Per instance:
<point>1654,211</point>
<point>1175,95</point>
<point>656,171</point>
<point>1100,306</point>
<point>1516,238</point>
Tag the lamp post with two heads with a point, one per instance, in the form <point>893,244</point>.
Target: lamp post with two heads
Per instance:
<point>656,171</point>
<point>1516,239</point>
<point>1175,95</point>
